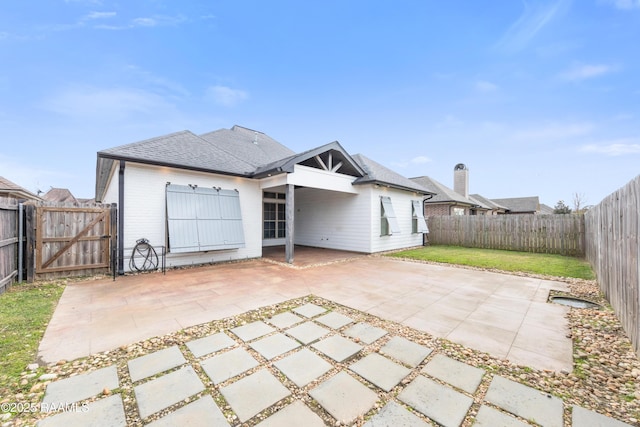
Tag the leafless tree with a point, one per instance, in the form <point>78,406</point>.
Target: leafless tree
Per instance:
<point>579,202</point>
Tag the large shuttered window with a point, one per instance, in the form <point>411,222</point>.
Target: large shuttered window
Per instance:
<point>419,224</point>
<point>388,221</point>
<point>203,219</point>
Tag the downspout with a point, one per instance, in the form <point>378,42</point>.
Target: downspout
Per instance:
<point>121,218</point>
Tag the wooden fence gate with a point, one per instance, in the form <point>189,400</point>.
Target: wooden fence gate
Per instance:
<point>8,242</point>
<point>65,239</point>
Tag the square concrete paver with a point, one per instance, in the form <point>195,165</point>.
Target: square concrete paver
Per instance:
<point>252,330</point>
<point>308,332</point>
<point>405,351</point>
<point>201,413</point>
<point>154,363</point>
<point>284,320</point>
<point>227,365</point>
<point>581,417</point>
<point>254,393</point>
<point>395,415</point>
<point>210,344</point>
<point>334,320</point>
<point>525,402</point>
<point>344,397</point>
<point>107,412</point>
<point>380,371</point>
<point>167,390</point>
<point>309,310</point>
<point>460,375</point>
<point>491,417</point>
<point>296,414</point>
<point>303,366</point>
<point>80,387</point>
<point>338,348</point>
<point>274,345</point>
<point>365,332</point>
<point>442,404</point>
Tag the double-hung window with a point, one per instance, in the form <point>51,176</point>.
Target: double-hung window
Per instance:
<point>203,219</point>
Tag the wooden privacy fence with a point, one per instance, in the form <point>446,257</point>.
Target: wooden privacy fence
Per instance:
<point>612,249</point>
<point>555,234</point>
<point>68,240</point>
<point>8,242</point>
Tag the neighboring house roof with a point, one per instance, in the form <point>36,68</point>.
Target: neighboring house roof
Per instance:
<point>378,174</point>
<point>11,189</point>
<point>444,194</point>
<point>520,204</point>
<point>546,209</point>
<point>243,152</point>
<point>487,203</point>
<point>59,195</point>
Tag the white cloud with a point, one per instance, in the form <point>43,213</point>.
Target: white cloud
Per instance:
<point>587,71</point>
<point>613,148</point>
<point>226,96</point>
<point>532,20</point>
<point>104,103</point>
<point>625,4</point>
<point>485,86</point>
<point>99,15</point>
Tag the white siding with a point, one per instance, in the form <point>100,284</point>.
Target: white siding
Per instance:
<point>145,210</point>
<point>403,208</point>
<point>329,219</point>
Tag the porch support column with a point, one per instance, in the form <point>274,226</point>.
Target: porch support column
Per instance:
<point>290,216</point>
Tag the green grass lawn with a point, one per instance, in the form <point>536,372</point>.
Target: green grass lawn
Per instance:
<point>551,265</point>
<point>25,310</point>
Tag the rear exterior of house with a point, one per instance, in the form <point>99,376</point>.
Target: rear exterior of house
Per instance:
<point>224,195</point>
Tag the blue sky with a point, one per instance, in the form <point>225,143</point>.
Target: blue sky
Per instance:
<point>535,97</point>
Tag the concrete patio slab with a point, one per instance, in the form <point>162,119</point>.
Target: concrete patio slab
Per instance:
<point>107,412</point>
<point>525,402</point>
<point>334,320</point>
<point>80,387</point>
<point>251,395</point>
<point>211,344</point>
<point>201,413</point>
<point>405,351</point>
<point>295,414</point>
<point>167,390</point>
<point>303,367</point>
<point>344,397</point>
<point>308,332</point>
<point>491,417</point>
<point>365,332</point>
<point>154,363</point>
<point>395,415</point>
<point>380,371</point>
<point>227,365</point>
<point>338,348</point>
<point>460,375</point>
<point>309,310</point>
<point>581,417</point>
<point>442,404</point>
<point>284,320</point>
<point>274,345</point>
<point>252,330</point>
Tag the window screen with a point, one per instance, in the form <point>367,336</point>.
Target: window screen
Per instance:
<point>203,219</point>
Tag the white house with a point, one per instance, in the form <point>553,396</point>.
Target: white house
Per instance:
<point>226,194</point>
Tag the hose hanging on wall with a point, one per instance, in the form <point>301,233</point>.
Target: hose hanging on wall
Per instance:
<point>145,252</point>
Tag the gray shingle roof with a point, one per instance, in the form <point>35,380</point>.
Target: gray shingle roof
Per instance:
<point>486,202</point>
<point>11,189</point>
<point>444,194</point>
<point>378,174</point>
<point>520,204</point>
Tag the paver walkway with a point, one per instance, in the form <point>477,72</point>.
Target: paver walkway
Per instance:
<point>263,374</point>
<point>504,315</point>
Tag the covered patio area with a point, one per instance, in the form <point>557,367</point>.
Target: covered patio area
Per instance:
<point>307,256</point>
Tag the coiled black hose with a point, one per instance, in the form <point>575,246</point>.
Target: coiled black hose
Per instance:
<point>145,252</point>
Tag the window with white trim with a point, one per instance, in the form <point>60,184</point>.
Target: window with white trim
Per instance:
<point>418,222</point>
<point>388,221</point>
<point>203,219</point>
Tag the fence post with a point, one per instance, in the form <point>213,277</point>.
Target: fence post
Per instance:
<point>30,226</point>
<point>113,248</point>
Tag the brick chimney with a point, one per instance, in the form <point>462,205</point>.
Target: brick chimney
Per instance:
<point>461,179</point>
